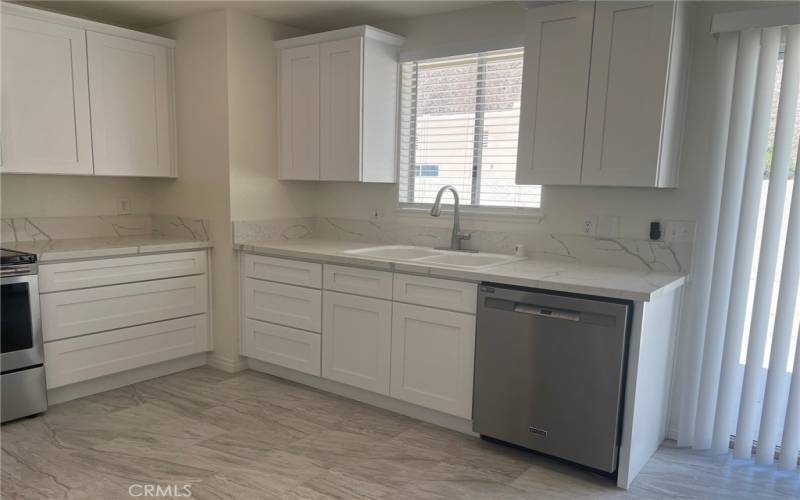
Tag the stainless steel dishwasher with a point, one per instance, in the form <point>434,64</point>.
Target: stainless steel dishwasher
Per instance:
<point>549,372</point>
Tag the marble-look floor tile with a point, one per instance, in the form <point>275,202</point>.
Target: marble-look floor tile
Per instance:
<point>253,436</point>
<point>500,462</point>
<point>337,485</point>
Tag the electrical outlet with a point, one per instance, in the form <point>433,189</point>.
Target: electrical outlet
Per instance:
<point>589,224</point>
<point>607,226</point>
<point>375,213</point>
<point>123,206</point>
<point>679,231</point>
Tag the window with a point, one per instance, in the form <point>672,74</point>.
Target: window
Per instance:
<point>427,170</point>
<point>459,125</point>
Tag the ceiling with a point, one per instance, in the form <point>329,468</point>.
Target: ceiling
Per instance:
<point>308,15</point>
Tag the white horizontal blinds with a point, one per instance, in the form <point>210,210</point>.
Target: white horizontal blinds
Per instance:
<point>725,421</point>
<point>753,385</point>
<point>459,125</point>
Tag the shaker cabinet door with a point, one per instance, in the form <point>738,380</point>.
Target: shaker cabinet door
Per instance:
<point>45,125</point>
<point>627,89</point>
<point>130,88</point>
<point>555,83</point>
<point>299,103</point>
<point>340,64</point>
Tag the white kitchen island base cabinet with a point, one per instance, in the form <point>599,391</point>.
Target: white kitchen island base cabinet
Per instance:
<point>433,358</point>
<point>356,340</point>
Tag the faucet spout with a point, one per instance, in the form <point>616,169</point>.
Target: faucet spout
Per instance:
<point>457,236</point>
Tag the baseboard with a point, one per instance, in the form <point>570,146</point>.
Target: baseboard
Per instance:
<point>411,410</point>
<point>117,380</point>
<point>227,364</point>
<point>672,432</point>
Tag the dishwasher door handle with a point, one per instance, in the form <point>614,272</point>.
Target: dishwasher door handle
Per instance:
<point>547,312</point>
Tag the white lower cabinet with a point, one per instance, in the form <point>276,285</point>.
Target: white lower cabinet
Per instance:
<point>82,358</point>
<point>105,316</point>
<point>356,340</point>
<point>281,345</point>
<point>433,355</point>
<point>288,305</point>
<point>89,310</point>
<point>373,335</point>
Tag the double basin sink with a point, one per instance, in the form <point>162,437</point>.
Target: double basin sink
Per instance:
<point>425,255</point>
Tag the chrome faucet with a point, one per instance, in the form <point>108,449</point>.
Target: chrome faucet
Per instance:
<point>436,211</point>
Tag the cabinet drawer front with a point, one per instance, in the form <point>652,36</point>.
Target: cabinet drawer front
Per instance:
<point>283,304</point>
<point>356,341</point>
<point>78,312</point>
<point>433,358</point>
<point>434,292</point>
<point>99,354</point>
<point>91,273</point>
<point>292,272</point>
<point>282,346</point>
<point>366,282</point>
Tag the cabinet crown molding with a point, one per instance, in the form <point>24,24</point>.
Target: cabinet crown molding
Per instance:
<point>327,36</point>
<point>84,24</point>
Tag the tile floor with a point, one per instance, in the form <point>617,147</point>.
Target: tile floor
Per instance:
<point>253,436</point>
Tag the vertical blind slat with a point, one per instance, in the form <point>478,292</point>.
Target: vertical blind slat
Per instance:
<point>774,396</point>
<point>729,388</point>
<point>736,157</point>
<point>790,444</point>
<point>770,240</point>
<point>698,294</point>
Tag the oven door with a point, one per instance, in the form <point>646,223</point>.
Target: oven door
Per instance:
<point>20,323</point>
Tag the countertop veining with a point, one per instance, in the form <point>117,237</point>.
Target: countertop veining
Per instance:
<point>88,248</point>
<point>631,284</point>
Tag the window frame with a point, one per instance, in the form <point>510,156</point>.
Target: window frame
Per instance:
<point>469,211</point>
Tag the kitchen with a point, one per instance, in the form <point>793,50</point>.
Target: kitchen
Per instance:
<point>245,247</point>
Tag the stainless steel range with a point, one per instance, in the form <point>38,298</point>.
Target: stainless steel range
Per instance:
<point>22,364</point>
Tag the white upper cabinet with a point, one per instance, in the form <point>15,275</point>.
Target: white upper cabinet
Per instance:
<point>130,89</point>
<point>613,114</point>
<point>339,106</point>
<point>80,97</point>
<point>299,144</point>
<point>555,77</point>
<point>45,91</point>
<point>340,65</point>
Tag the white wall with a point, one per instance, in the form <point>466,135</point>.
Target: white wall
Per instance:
<point>227,135</point>
<point>24,195</point>
<point>252,66</point>
<point>202,190</point>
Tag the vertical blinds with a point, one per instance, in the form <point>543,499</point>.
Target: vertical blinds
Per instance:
<point>459,121</point>
<point>744,381</point>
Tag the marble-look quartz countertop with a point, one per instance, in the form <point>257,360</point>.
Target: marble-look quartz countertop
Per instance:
<point>89,248</point>
<point>613,282</point>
